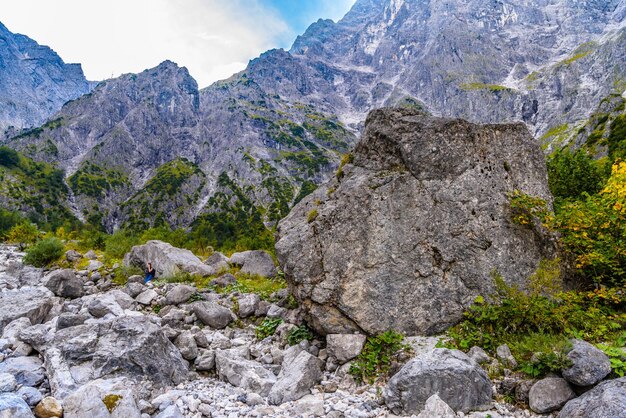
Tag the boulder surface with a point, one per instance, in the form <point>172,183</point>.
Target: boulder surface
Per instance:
<point>607,400</point>
<point>167,260</point>
<point>409,234</point>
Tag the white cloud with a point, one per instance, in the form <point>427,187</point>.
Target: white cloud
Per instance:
<point>212,38</point>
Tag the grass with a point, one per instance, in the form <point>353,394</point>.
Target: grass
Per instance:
<point>483,86</point>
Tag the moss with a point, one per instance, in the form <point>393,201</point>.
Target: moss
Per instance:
<point>111,401</point>
<point>483,86</point>
<point>312,215</point>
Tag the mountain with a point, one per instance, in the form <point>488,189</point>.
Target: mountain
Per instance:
<point>150,149</point>
<point>34,81</point>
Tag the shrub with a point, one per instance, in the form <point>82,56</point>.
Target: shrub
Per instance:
<point>23,234</point>
<point>571,175</point>
<point>267,327</point>
<point>9,157</point>
<point>296,335</point>
<point>8,220</point>
<point>118,244</point>
<point>375,359</point>
<point>311,216</point>
<point>122,273</point>
<point>44,252</point>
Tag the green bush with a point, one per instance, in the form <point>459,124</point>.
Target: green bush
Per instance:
<point>122,273</point>
<point>375,359</point>
<point>571,175</point>
<point>301,333</point>
<point>44,252</point>
<point>118,244</point>
<point>23,234</point>
<point>8,220</point>
<point>9,157</point>
<point>267,327</point>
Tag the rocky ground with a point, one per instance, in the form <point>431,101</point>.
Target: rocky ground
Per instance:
<point>73,343</point>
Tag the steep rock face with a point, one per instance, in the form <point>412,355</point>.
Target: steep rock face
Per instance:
<point>411,233</point>
<point>34,81</point>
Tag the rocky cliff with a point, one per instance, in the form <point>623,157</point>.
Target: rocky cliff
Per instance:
<point>34,81</point>
<point>414,228</point>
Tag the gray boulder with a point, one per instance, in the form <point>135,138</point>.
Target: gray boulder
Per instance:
<point>244,373</point>
<point>64,283</point>
<point>73,256</point>
<point>296,378</point>
<point>104,305</point>
<point>255,262</point>
<point>179,294</point>
<point>549,394</point>
<point>30,395</point>
<point>171,411</point>
<point>607,400</point>
<point>217,261</point>
<point>212,314</point>
<point>505,356</point>
<point>248,304</point>
<point>344,347</point>
<point>134,289</point>
<point>167,260</point>
<point>13,406</point>
<point>67,319</point>
<point>590,365</point>
<point>478,355</point>
<point>425,209</point>
<point>205,361</point>
<point>224,280</point>
<point>33,303</point>
<point>130,346</point>
<point>28,371</point>
<point>146,297</point>
<point>451,374</point>
<point>7,383</point>
<point>103,399</point>
<point>186,344</point>
<point>91,255</point>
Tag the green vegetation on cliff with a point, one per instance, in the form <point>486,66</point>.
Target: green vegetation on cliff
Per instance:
<point>94,181</point>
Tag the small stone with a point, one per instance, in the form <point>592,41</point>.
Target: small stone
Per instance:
<point>344,347</point>
<point>478,355</point>
<point>506,357</point>
<point>48,408</point>
<point>7,383</point>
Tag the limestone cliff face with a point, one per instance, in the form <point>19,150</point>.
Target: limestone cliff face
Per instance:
<point>409,236</point>
<point>34,81</point>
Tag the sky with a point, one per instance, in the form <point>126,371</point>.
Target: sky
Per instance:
<point>212,38</point>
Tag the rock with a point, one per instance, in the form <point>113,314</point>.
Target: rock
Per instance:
<point>64,283</point>
<point>296,378</point>
<point>104,305</point>
<point>179,294</point>
<point>7,383</point>
<point>30,395</point>
<point>135,279</point>
<point>607,400</point>
<point>435,407</point>
<point>13,328</point>
<point>186,344</point>
<point>255,262</point>
<point>309,405</point>
<point>167,260</point>
<point>94,265</point>
<point>212,314</point>
<point>171,411</point>
<point>146,297</point>
<point>549,394</point>
<point>134,289</point>
<point>130,346</point>
<point>506,358</point>
<point>36,334</point>
<point>12,406</point>
<point>205,361</point>
<point>66,320</point>
<point>275,311</point>
<point>33,303</point>
<point>217,261</point>
<point>48,408</point>
<point>28,371</point>
<point>344,347</point>
<point>590,365</point>
<point>425,209</point>
<point>72,256</point>
<point>522,390</point>
<point>248,304</point>
<point>224,280</point>
<point>478,355</point>
<point>246,374</point>
<point>457,379</point>
<point>102,398</point>
<point>91,255</point>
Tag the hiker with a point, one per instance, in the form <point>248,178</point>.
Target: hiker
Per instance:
<point>150,273</point>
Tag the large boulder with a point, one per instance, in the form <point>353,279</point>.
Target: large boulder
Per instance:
<point>344,347</point>
<point>28,371</point>
<point>64,283</point>
<point>13,406</point>
<point>130,346</point>
<point>451,374</point>
<point>300,372</point>
<point>549,394</point>
<point>103,399</point>
<point>254,262</point>
<point>607,400</point>
<point>244,373</point>
<point>212,314</point>
<point>167,260</point>
<point>589,364</point>
<point>180,293</point>
<point>33,303</point>
<point>410,233</point>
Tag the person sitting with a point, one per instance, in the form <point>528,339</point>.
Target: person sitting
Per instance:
<point>150,274</point>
